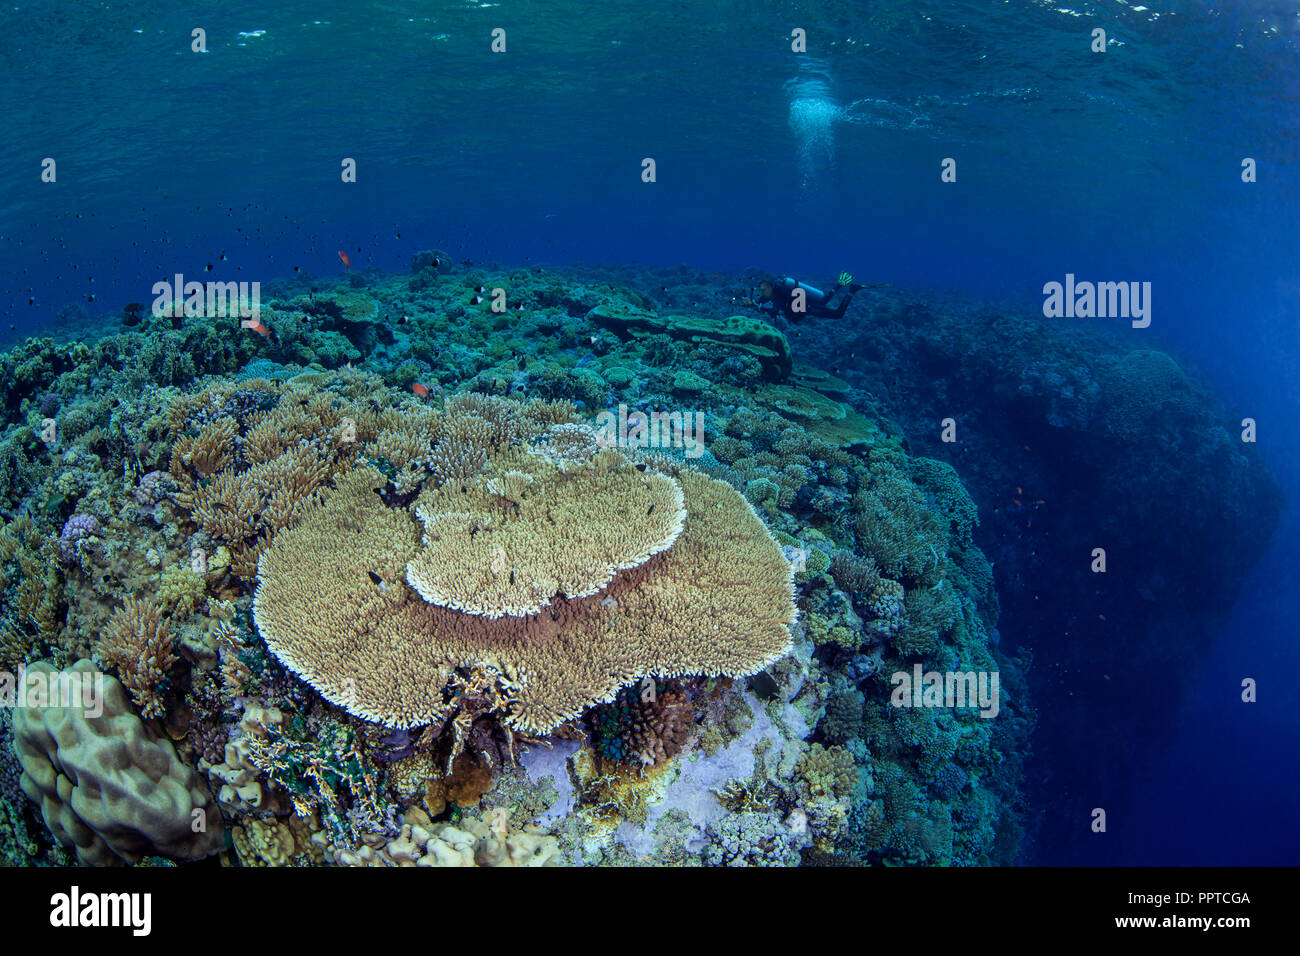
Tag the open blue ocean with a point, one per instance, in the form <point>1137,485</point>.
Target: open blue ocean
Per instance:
<point>725,433</point>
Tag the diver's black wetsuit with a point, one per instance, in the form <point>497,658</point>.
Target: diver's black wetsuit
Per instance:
<point>816,302</point>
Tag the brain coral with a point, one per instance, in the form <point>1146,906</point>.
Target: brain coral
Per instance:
<point>106,787</point>
<point>334,605</point>
<point>508,544</point>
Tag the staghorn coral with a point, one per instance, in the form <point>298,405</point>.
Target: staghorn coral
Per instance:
<point>208,451</point>
<point>137,642</point>
<point>718,602</point>
<point>16,647</point>
<point>241,509</point>
<point>107,789</point>
<point>248,458</point>
<point>318,766</point>
<point>31,581</point>
<point>568,534</point>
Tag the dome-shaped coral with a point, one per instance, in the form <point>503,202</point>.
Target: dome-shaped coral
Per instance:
<point>107,788</point>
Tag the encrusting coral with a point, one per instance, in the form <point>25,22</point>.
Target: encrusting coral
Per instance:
<point>473,842</point>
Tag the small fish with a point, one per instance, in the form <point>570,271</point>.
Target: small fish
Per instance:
<point>421,390</point>
<point>476,300</point>
<point>343,258</point>
<point>257,326</point>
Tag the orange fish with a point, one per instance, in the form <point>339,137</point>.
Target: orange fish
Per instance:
<point>421,390</point>
<point>258,327</point>
<point>343,257</point>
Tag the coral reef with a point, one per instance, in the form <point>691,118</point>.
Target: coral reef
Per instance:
<point>376,576</point>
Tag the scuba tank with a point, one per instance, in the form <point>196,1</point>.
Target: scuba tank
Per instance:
<point>812,295</point>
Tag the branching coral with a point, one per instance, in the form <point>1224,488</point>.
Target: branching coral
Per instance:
<point>646,724</point>
<point>897,529</point>
<point>321,770</point>
<point>932,613</point>
<point>137,642</point>
<point>180,590</point>
<point>948,498</point>
<point>853,574</point>
<point>31,581</point>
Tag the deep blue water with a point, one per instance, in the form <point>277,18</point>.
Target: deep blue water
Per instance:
<point>1116,166</point>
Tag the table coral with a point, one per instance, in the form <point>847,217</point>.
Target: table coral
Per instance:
<point>567,534</point>
<point>374,647</point>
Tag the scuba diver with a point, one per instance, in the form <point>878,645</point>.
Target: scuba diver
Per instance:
<point>775,297</point>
